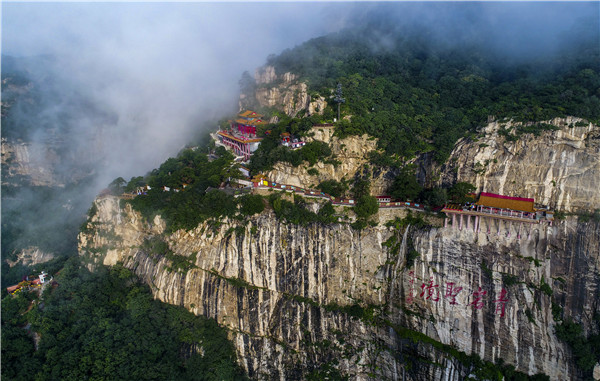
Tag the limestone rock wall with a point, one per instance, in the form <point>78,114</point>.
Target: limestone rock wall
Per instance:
<point>558,168</point>
<point>304,299</point>
<point>30,256</point>
<point>566,257</point>
<point>352,155</point>
<point>283,92</point>
<point>33,161</point>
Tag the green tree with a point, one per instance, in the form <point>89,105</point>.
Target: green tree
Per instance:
<point>252,204</point>
<point>459,192</point>
<point>134,183</point>
<point>405,186</point>
<point>333,188</point>
<point>434,197</point>
<point>107,325</point>
<point>361,188</point>
<point>117,185</point>
<point>366,206</point>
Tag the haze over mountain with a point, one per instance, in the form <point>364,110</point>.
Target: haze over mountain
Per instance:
<point>158,71</point>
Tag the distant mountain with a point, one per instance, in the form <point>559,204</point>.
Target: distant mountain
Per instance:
<point>48,161</point>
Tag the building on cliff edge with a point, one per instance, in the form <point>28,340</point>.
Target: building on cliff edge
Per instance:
<point>510,213</point>
<point>241,137</point>
<point>29,282</point>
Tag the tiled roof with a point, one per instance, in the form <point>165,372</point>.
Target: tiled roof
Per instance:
<point>249,114</point>
<point>506,202</point>
<point>253,122</point>
<point>238,139</point>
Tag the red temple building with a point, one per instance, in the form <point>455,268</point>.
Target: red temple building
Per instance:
<point>504,212</point>
<point>287,140</point>
<point>247,122</point>
<point>241,135</point>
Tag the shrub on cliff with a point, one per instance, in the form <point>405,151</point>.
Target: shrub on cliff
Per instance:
<point>405,186</point>
<point>366,206</point>
<point>585,350</point>
<point>251,204</point>
<point>333,188</point>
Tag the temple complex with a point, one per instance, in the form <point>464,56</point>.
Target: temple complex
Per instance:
<point>241,136</point>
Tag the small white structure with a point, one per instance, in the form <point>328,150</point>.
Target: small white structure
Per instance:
<point>244,171</point>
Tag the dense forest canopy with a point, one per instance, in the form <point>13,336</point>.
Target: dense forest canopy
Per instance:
<point>106,325</point>
<point>417,94</point>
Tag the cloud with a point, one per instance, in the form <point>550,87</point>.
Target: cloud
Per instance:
<point>159,69</point>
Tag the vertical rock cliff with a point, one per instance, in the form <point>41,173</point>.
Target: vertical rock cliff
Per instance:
<point>283,92</point>
<point>559,168</point>
<point>317,299</point>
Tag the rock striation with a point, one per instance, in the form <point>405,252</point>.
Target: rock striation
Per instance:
<point>30,256</point>
<point>559,168</point>
<point>33,161</point>
<point>282,92</point>
<point>299,300</point>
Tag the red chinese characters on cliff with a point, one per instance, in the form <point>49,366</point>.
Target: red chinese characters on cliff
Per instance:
<point>451,291</point>
<point>478,298</point>
<point>434,292</point>
<point>501,303</point>
<point>430,290</point>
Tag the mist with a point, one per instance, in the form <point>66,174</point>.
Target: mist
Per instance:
<point>154,71</point>
<point>157,71</point>
<point>128,85</point>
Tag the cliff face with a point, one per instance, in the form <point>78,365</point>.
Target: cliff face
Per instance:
<point>351,154</point>
<point>30,256</point>
<point>283,92</point>
<point>558,168</point>
<point>390,302</point>
<point>301,300</point>
<point>30,160</point>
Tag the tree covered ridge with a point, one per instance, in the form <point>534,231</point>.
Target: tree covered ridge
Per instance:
<point>418,96</point>
<point>106,325</point>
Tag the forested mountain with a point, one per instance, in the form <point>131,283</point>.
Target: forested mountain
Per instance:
<point>106,325</point>
<point>418,93</point>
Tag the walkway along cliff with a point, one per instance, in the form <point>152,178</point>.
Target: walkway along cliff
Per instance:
<point>397,301</point>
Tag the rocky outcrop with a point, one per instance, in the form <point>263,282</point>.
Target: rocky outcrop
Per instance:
<point>49,162</point>
<point>32,161</point>
<point>30,256</point>
<point>559,168</point>
<point>301,300</point>
<point>283,92</point>
<point>350,156</point>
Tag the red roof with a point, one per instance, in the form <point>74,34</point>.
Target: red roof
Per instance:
<point>493,195</point>
<point>505,202</point>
